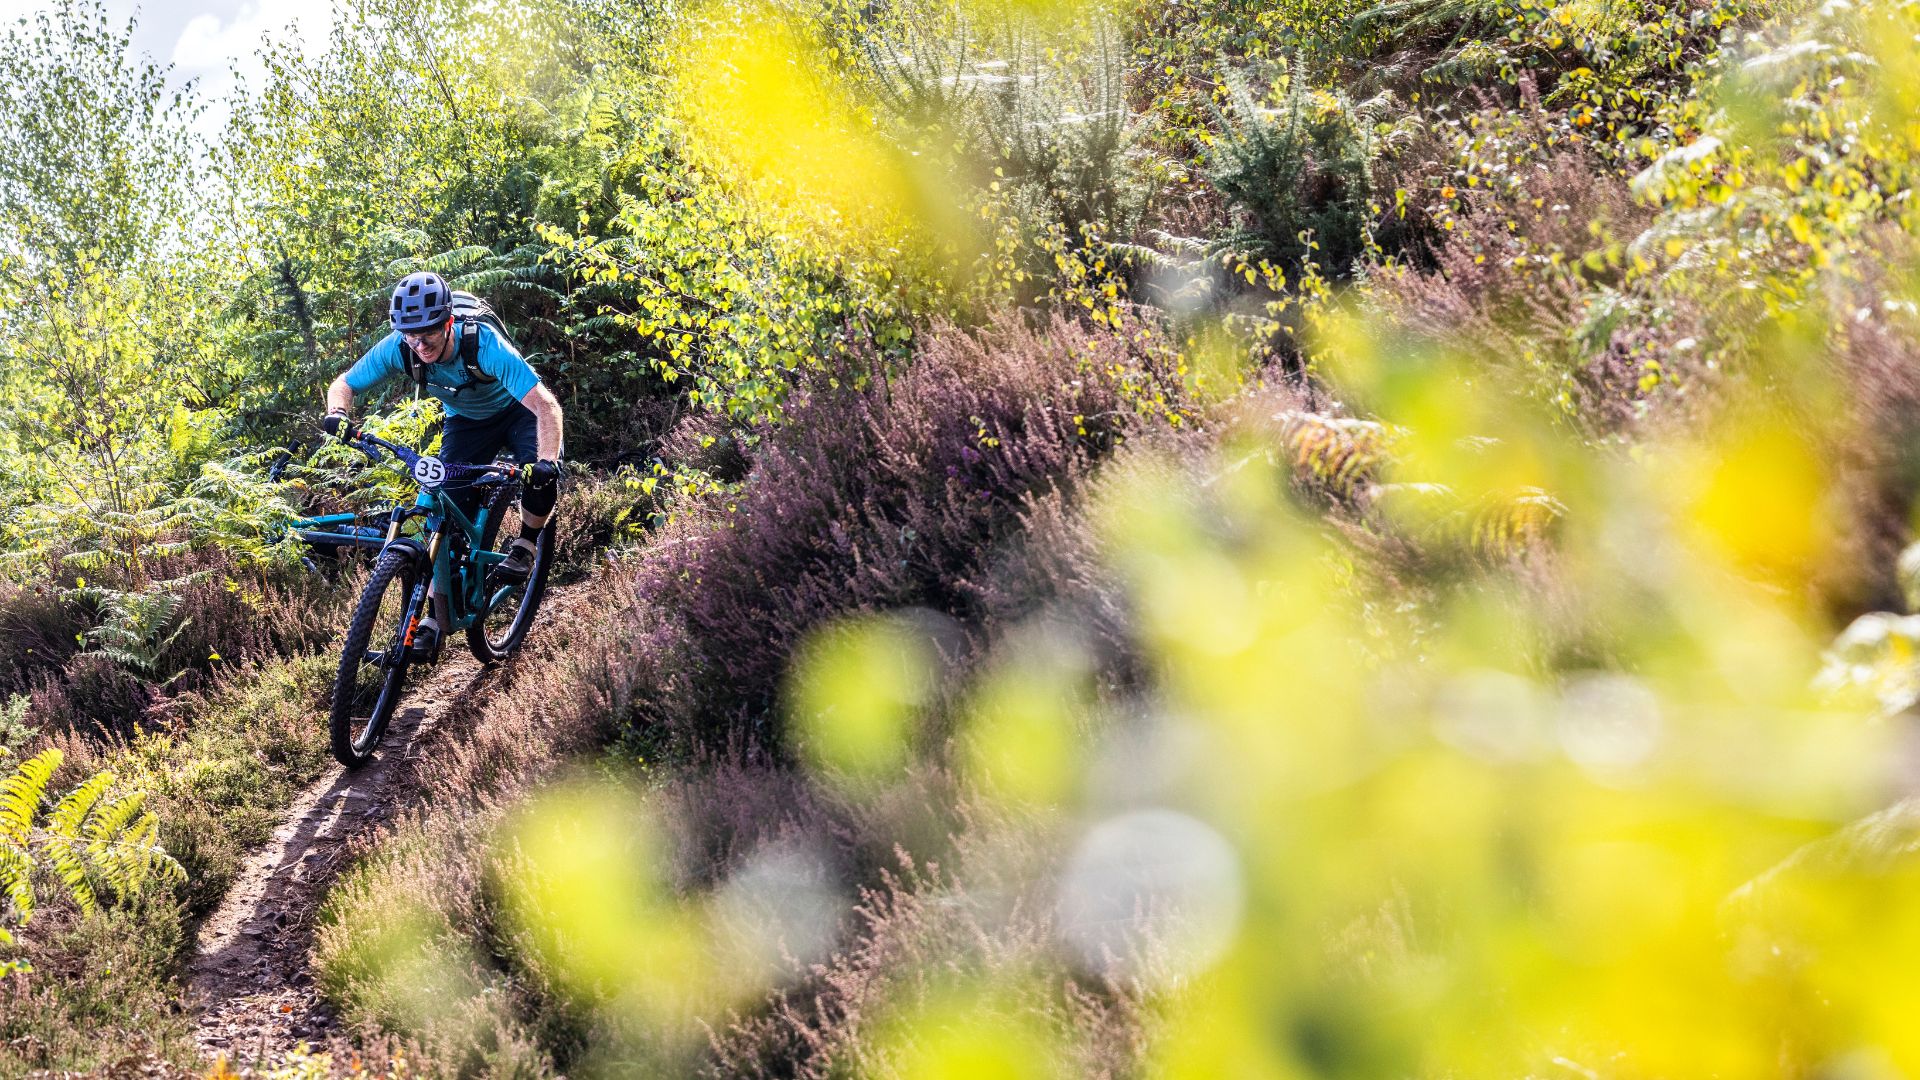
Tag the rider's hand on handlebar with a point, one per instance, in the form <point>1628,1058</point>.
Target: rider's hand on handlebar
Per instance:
<point>540,474</point>
<point>339,425</point>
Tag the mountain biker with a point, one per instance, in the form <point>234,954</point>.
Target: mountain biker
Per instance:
<point>503,409</point>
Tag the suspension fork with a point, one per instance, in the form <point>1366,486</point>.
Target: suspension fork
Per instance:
<point>440,574</point>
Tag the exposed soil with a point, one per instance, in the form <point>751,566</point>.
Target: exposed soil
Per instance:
<point>249,974</point>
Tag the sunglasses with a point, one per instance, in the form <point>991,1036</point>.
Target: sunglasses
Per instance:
<point>422,337</point>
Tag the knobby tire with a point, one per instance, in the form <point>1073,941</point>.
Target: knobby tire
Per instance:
<point>490,640</point>
<point>354,737</point>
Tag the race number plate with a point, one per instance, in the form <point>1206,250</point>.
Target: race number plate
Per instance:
<point>429,472</point>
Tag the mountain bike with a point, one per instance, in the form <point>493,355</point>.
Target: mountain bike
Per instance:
<point>434,541</point>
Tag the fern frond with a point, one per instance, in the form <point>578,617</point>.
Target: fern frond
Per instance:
<point>111,820</point>
<point>1142,255</point>
<point>21,795</point>
<point>481,281</point>
<point>89,835</point>
<point>599,324</point>
<point>448,261</point>
<point>1185,245</point>
<point>1508,527</point>
<point>126,850</point>
<point>1338,455</point>
<point>531,290</point>
<point>72,811</point>
<point>62,834</point>
<point>16,881</point>
<point>88,559</point>
<point>72,869</point>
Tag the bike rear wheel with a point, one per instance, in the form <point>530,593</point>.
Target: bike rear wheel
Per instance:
<point>510,608</point>
<point>373,660</point>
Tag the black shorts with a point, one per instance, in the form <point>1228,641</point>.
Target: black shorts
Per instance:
<point>512,434</point>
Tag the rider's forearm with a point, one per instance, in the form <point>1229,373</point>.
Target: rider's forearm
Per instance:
<point>546,415</point>
<point>340,396</point>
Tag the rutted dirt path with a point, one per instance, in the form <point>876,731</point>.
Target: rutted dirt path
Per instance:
<point>248,977</point>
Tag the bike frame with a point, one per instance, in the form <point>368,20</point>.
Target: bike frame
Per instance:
<point>338,530</point>
<point>334,531</point>
<point>462,583</point>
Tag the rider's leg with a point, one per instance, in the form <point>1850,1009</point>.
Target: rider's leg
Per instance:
<point>536,506</point>
<point>536,500</point>
<point>522,439</point>
<point>463,441</point>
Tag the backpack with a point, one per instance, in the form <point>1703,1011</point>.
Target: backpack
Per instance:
<point>468,309</point>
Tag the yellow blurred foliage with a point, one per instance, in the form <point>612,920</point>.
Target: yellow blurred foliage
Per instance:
<point>1022,740</point>
<point>858,691</point>
<point>757,103</point>
<point>963,1034</point>
<point>583,878</point>
<point>1759,503</point>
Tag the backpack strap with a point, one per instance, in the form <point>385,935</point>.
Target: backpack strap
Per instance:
<point>470,351</point>
<point>416,370</point>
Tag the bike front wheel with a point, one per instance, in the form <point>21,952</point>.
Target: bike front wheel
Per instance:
<point>373,661</point>
<point>500,626</point>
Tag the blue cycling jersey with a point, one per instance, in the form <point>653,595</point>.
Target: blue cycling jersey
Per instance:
<point>449,380</point>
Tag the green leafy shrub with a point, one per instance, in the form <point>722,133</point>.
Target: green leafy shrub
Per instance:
<point>1302,172</point>
<point>599,516</point>
<point>1182,50</point>
<point>1607,70</point>
<point>15,732</point>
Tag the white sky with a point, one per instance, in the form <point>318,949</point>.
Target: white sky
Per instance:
<point>208,40</point>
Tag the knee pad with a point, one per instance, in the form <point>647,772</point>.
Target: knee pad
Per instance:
<point>539,501</point>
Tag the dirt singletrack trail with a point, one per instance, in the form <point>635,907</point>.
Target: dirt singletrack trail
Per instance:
<point>248,976</point>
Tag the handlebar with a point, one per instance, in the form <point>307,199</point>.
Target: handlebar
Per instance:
<point>372,445</point>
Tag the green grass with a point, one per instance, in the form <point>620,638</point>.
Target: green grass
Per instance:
<point>104,988</point>
<point>246,751</point>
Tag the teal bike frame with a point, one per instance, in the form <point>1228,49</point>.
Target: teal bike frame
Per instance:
<point>461,582</point>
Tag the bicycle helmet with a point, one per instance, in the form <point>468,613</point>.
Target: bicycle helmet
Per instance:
<point>420,301</point>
